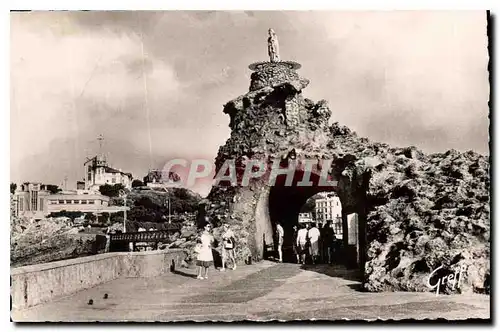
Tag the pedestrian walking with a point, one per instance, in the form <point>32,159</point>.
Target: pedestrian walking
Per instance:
<point>296,249</point>
<point>280,234</point>
<point>313,235</point>
<point>321,243</point>
<point>228,246</point>
<point>302,243</point>
<point>205,257</point>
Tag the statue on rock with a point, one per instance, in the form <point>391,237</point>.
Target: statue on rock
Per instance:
<point>273,47</point>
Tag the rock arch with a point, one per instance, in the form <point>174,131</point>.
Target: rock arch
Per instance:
<point>416,211</point>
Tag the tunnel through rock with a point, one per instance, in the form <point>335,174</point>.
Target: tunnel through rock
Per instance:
<point>285,203</point>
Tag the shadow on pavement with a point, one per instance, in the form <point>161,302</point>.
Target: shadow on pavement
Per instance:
<point>184,274</point>
<point>336,271</point>
<point>357,287</point>
<point>217,258</point>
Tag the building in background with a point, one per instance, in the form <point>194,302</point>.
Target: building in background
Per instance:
<point>328,207</point>
<point>80,185</point>
<point>98,173</point>
<point>84,201</point>
<point>31,200</point>
<point>35,201</point>
<point>305,217</point>
<point>159,179</point>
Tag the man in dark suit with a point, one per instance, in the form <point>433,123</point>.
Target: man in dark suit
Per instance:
<point>329,240</point>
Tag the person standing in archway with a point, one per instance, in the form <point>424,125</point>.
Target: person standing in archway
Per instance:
<point>296,249</point>
<point>328,240</point>
<point>321,243</point>
<point>302,243</point>
<point>228,244</point>
<point>205,257</point>
<point>280,234</point>
<point>313,235</point>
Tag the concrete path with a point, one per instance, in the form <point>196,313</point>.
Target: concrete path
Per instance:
<point>264,291</point>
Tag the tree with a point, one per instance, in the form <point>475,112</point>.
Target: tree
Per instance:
<point>183,200</point>
<point>117,217</point>
<point>53,189</point>
<point>103,218</point>
<point>69,214</point>
<point>90,217</point>
<point>137,183</point>
<point>147,203</point>
<point>13,188</point>
<point>141,214</point>
<point>111,190</point>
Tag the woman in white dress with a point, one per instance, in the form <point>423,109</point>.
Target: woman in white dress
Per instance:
<point>205,257</point>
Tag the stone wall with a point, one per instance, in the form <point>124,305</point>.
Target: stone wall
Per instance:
<point>35,284</point>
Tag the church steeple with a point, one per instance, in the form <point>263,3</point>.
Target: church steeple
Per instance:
<point>101,157</point>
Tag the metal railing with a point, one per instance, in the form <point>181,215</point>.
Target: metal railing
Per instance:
<point>148,236</point>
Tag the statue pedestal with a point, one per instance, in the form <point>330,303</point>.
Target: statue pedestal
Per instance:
<point>258,66</point>
<point>273,73</point>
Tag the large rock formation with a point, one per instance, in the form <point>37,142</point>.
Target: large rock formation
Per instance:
<point>48,240</point>
<point>416,211</point>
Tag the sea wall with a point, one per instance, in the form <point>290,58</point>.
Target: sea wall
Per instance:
<point>35,284</point>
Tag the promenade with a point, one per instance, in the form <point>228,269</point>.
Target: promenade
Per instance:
<point>264,291</point>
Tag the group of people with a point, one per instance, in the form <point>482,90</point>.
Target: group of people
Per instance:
<point>310,242</point>
<point>204,247</point>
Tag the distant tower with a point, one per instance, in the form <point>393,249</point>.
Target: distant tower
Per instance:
<point>101,157</point>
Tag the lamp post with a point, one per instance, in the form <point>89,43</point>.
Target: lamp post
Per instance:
<point>169,214</point>
<point>123,194</point>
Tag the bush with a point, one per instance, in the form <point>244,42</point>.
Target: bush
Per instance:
<point>117,217</point>
<point>103,219</point>
<point>137,183</point>
<point>70,214</point>
<point>90,217</point>
<point>111,190</point>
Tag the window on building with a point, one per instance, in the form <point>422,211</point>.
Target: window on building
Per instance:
<point>41,204</point>
<point>21,203</point>
<point>91,201</point>
<point>337,224</point>
<point>34,201</point>
<point>61,201</point>
<point>83,201</point>
<point>113,180</point>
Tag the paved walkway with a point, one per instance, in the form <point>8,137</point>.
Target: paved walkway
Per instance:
<point>264,291</point>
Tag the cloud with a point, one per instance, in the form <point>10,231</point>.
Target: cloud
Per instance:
<point>421,72</point>
<point>62,83</point>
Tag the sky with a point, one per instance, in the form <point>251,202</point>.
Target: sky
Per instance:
<point>154,83</point>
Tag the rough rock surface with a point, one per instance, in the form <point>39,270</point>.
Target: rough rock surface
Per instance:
<point>36,242</point>
<point>418,211</point>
